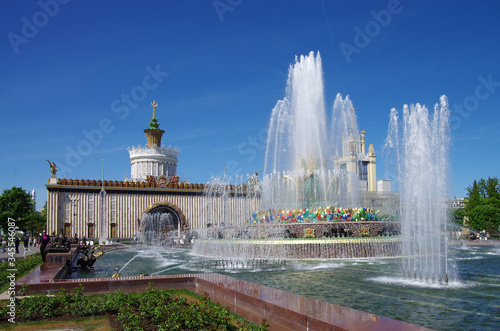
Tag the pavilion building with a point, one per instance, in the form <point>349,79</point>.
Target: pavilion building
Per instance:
<point>108,209</point>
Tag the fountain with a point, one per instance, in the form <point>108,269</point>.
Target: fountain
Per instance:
<point>419,143</point>
<point>302,168</point>
<point>311,175</point>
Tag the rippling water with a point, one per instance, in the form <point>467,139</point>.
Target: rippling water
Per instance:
<point>371,285</point>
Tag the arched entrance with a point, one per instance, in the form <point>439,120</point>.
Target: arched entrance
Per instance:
<point>166,207</point>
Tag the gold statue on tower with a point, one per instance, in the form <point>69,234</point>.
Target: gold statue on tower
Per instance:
<point>154,122</point>
<point>154,104</point>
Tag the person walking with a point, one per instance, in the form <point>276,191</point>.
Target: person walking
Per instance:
<point>16,244</point>
<point>44,240</point>
<point>27,243</point>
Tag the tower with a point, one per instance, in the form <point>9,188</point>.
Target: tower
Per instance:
<point>372,169</point>
<point>354,159</point>
<point>154,159</point>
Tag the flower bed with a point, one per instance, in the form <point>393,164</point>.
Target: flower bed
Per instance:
<point>151,310</point>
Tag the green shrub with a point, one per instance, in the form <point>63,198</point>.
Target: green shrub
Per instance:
<point>22,267</point>
<point>153,309</point>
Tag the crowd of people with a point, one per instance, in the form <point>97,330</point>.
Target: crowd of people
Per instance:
<point>28,244</point>
<point>482,235</point>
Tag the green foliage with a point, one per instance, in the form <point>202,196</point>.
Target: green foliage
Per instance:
<point>489,188</point>
<point>483,206</point>
<point>151,310</point>
<point>485,217</point>
<point>474,198</point>
<point>456,216</point>
<point>36,222</point>
<point>16,203</point>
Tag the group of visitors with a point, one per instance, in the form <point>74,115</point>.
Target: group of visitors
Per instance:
<point>481,235</point>
<point>27,243</point>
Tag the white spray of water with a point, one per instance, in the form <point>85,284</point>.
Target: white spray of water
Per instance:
<point>420,141</point>
<point>302,145</point>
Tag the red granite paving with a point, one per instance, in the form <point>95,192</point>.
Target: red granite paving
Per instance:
<point>41,274</point>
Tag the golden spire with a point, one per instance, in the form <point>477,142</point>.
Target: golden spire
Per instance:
<point>153,124</point>
<point>154,104</point>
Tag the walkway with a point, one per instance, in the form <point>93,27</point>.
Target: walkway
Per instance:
<point>22,252</point>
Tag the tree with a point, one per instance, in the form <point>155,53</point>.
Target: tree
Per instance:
<point>483,205</point>
<point>37,221</point>
<point>474,198</point>
<point>16,204</point>
<point>485,217</point>
<point>456,216</point>
<point>489,188</point>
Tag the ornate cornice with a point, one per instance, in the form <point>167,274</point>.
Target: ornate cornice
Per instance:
<point>154,151</point>
<point>139,184</point>
<point>121,183</point>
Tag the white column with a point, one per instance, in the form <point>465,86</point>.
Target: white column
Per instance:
<point>372,169</point>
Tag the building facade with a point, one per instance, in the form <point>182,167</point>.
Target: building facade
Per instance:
<point>113,209</point>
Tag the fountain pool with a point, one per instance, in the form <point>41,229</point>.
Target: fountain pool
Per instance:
<point>371,285</point>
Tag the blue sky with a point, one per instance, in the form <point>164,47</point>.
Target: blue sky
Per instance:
<point>80,76</point>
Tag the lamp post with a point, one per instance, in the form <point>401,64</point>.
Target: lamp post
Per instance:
<point>73,199</point>
<point>102,225</point>
<point>33,198</point>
